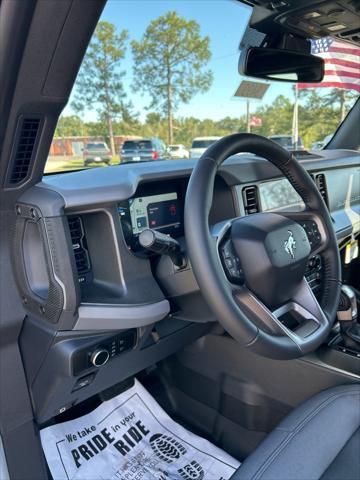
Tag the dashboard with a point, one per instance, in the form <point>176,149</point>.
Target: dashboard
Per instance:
<point>94,295</point>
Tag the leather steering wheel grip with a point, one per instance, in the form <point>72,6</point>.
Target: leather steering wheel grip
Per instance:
<point>204,256</point>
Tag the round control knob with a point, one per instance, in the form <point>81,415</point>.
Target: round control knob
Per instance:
<point>100,357</point>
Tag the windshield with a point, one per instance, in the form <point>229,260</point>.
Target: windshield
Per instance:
<point>140,145</point>
<point>96,146</point>
<point>171,74</point>
<point>286,141</point>
<point>202,143</point>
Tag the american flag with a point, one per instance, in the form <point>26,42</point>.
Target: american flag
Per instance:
<point>342,64</point>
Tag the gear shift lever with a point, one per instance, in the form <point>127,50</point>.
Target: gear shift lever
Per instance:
<point>347,315</point>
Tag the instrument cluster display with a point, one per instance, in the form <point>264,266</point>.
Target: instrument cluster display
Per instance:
<point>162,212</point>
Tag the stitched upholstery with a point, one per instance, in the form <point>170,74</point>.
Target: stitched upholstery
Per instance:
<point>319,440</point>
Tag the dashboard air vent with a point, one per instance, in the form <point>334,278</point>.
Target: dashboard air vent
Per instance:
<point>321,185</point>
<point>251,200</point>
<point>24,149</point>
<point>79,246</point>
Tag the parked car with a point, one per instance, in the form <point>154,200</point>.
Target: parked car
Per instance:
<point>178,151</point>
<point>143,150</point>
<point>321,144</point>
<point>96,152</point>
<point>287,142</point>
<point>200,144</point>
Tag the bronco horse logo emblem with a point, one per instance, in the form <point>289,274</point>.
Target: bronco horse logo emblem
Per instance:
<point>290,244</point>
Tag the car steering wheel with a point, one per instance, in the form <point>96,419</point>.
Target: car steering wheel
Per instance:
<point>251,270</point>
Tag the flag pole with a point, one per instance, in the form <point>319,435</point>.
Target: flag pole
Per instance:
<point>295,123</point>
<point>248,126</point>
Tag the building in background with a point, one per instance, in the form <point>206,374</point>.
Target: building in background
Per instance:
<point>73,146</point>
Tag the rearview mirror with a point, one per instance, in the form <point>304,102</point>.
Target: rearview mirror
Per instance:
<point>282,65</point>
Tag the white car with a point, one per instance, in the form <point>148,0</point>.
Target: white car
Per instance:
<point>200,144</point>
<point>178,151</point>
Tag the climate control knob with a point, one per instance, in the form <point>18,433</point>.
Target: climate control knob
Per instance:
<point>99,357</point>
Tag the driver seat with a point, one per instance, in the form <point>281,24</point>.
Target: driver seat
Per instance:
<point>320,439</point>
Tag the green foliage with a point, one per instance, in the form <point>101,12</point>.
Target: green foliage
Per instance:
<point>342,98</point>
<point>317,119</point>
<point>169,64</point>
<point>70,126</point>
<point>319,115</point>
<point>99,84</point>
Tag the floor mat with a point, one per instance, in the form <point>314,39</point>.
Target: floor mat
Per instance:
<point>130,437</point>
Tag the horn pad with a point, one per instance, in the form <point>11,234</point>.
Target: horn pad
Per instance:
<point>273,251</point>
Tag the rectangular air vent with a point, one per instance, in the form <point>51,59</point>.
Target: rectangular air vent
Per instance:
<point>79,246</point>
<point>24,149</point>
<point>251,200</point>
<point>321,185</point>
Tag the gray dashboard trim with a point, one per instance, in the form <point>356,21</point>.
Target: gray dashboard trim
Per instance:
<point>117,317</point>
<point>101,186</point>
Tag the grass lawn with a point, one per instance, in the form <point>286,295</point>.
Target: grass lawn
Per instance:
<point>61,164</point>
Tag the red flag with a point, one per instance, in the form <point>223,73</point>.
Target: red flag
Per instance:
<point>255,122</point>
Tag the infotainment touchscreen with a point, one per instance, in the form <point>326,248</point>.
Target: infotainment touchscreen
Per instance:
<point>160,212</point>
<point>278,195</point>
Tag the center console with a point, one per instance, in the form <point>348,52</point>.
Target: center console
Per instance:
<point>346,336</point>
<point>342,351</point>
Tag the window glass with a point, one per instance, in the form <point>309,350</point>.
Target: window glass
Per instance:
<point>137,145</point>
<point>170,74</point>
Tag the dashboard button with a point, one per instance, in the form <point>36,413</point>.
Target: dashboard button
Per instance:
<point>229,262</point>
<point>100,357</point>
<point>84,381</point>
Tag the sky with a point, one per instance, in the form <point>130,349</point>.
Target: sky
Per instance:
<point>224,21</point>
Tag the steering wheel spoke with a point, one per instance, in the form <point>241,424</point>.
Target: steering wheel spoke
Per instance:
<point>257,311</point>
<point>302,315</point>
<point>297,319</point>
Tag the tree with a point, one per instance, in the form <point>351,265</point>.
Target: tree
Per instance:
<point>99,82</point>
<point>70,126</point>
<point>169,64</point>
<point>155,125</point>
<point>340,97</point>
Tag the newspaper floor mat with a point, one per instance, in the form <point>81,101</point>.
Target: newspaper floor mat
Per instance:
<point>130,437</point>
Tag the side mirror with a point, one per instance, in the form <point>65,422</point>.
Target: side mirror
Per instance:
<point>282,65</point>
